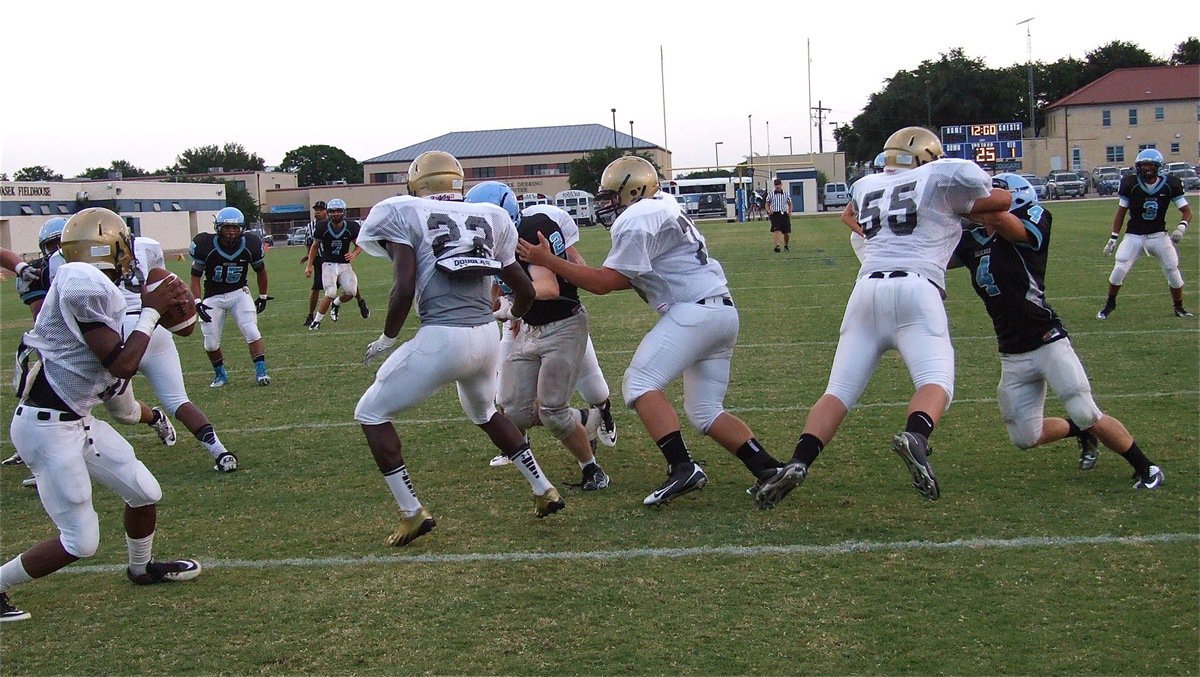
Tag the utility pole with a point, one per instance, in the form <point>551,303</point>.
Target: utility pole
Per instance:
<point>820,111</point>
<point>614,112</point>
<point>631,137</point>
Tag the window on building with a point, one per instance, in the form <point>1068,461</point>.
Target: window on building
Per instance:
<point>177,207</point>
<point>44,209</point>
<point>27,210</point>
<point>1174,148</point>
<point>1144,146</point>
<point>1114,154</point>
<point>1132,117</point>
<point>62,209</point>
<point>1106,118</point>
<point>385,177</point>
<point>240,184</point>
<point>1160,113</point>
<point>483,172</point>
<point>157,207</point>
<point>137,206</point>
<point>1076,159</point>
<point>564,168</point>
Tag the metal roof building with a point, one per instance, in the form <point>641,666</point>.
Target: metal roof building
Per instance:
<point>580,139</point>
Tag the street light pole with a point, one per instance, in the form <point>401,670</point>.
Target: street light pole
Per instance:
<point>750,122</point>
<point>614,112</point>
<point>770,165</point>
<point>789,140</point>
<point>631,137</point>
<point>717,154</point>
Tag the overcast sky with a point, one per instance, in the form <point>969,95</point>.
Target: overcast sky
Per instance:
<point>88,83</point>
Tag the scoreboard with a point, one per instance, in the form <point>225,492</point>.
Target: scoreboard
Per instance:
<point>985,144</point>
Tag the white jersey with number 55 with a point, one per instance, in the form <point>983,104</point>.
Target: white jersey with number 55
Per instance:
<point>436,229</point>
<point>663,254</point>
<point>911,218</point>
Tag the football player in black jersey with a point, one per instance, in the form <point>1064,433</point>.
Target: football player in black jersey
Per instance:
<point>539,374</point>
<point>1007,259</point>
<point>1145,195</point>
<point>223,260</point>
<point>330,256</point>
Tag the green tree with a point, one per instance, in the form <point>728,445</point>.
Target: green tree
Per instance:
<point>1187,53</point>
<point>319,165</point>
<point>1116,54</point>
<point>126,168</point>
<point>37,173</point>
<point>232,157</point>
<point>238,196</point>
<point>586,171</point>
<point>708,174</point>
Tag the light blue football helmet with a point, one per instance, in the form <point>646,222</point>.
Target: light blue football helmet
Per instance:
<point>496,193</point>
<point>1153,159</point>
<point>878,165</point>
<point>336,203</point>
<point>1022,191</point>
<point>51,230</point>
<point>230,216</point>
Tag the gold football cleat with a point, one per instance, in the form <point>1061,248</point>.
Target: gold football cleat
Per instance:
<point>548,503</point>
<point>412,528</point>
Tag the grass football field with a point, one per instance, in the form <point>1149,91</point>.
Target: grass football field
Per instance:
<point>1026,565</point>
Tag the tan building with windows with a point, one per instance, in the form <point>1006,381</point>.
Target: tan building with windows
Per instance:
<point>1107,122</point>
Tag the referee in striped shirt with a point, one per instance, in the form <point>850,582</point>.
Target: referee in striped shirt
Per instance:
<point>780,208</point>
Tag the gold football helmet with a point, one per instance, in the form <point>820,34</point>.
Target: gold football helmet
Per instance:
<point>624,181</point>
<point>435,172</point>
<point>910,148</point>
<point>101,238</point>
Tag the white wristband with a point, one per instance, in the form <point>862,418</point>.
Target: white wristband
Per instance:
<point>1182,227</point>
<point>20,267</point>
<point>385,341</point>
<point>147,321</point>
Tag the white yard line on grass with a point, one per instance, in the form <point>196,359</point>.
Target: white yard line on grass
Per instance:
<point>843,548</point>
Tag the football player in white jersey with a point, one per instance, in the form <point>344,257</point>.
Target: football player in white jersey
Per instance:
<point>124,407</point>
<point>657,251</point>
<point>444,253</point>
<point>160,365</point>
<point>910,215</point>
<point>84,361</point>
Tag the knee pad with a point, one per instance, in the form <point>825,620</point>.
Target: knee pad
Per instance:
<point>82,537</point>
<point>522,417</point>
<point>702,414</point>
<point>560,421</point>
<point>1025,433</point>
<point>249,329</point>
<point>125,408</point>
<point>331,292</point>
<point>212,343</point>
<point>1119,271</point>
<point>145,487</point>
<point>1081,408</point>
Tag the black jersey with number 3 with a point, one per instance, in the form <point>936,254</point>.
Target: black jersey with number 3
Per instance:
<point>1147,205</point>
<point>336,241</point>
<point>1011,280</point>
<point>567,302</point>
<point>225,270</point>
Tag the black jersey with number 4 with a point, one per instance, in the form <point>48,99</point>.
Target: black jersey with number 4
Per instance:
<point>225,270</point>
<point>336,241</point>
<point>1011,280</point>
<point>1147,205</point>
<point>567,303</point>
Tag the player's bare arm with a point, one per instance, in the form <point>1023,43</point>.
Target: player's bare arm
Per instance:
<point>514,276</point>
<point>1006,225</point>
<point>574,256</point>
<point>545,283</point>
<point>261,276</point>
<point>312,258</point>
<point>1119,220</point>
<point>998,201</point>
<point>850,218</point>
<point>121,359</point>
<point>404,287</point>
<point>598,281</point>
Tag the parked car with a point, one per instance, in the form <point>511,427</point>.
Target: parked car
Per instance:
<point>1173,167</point>
<point>1084,180</point>
<point>256,230</point>
<point>1127,171</point>
<point>297,235</point>
<point>1038,183</point>
<point>1188,177</point>
<point>836,195</point>
<point>1102,174</point>
<point>1109,186</point>
<point>1064,184</point>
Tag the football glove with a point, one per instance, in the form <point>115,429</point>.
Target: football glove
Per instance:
<point>260,303</point>
<point>378,347</point>
<point>27,272</point>
<point>202,310</point>
<point>1179,231</point>
<point>504,312</point>
<point>1111,245</point>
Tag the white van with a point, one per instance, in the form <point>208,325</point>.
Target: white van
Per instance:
<point>836,195</point>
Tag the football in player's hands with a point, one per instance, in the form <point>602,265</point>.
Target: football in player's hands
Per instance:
<point>179,315</point>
